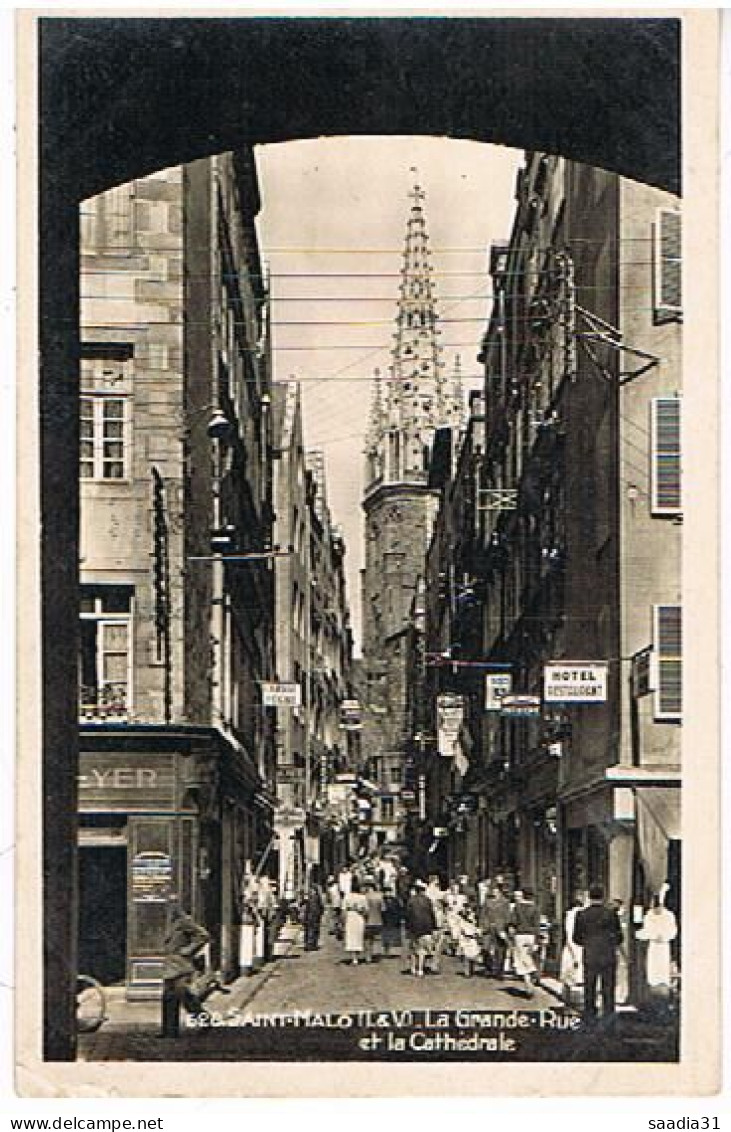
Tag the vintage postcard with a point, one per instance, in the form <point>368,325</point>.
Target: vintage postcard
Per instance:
<point>368,669</point>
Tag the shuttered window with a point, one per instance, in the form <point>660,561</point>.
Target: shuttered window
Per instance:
<point>667,238</point>
<point>667,633</point>
<point>665,456</point>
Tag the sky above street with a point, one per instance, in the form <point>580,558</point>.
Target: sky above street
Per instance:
<point>331,231</point>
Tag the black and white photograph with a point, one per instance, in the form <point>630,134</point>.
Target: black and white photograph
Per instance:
<point>355,699</point>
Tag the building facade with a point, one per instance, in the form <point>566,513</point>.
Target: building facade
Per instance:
<point>580,537</point>
<point>400,508</point>
<point>314,650</point>
<point>449,727</point>
<point>176,787</point>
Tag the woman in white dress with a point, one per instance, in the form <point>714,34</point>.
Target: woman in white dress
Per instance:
<point>572,956</point>
<point>468,940</point>
<point>659,929</point>
<point>354,910</point>
<point>454,904</point>
<point>436,894</point>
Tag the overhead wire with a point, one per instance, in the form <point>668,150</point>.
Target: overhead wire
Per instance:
<point>485,273</point>
<point>438,319</point>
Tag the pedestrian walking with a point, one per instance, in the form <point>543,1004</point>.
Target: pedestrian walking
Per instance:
<point>455,902</point>
<point>420,926</point>
<point>469,888</point>
<point>374,918</point>
<point>527,922</point>
<point>598,931</point>
<point>436,895</point>
<point>571,968</point>
<point>266,906</point>
<point>403,885</point>
<point>345,880</point>
<point>184,939</point>
<point>387,872</point>
<point>484,888</point>
<point>469,940</point>
<point>393,914</point>
<point>312,916</point>
<point>333,902</point>
<point>355,911</point>
<point>494,918</point>
<point>621,988</point>
<point>659,929</point>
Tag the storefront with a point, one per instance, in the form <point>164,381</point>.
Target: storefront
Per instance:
<point>598,842</point>
<point>161,811</point>
<point>625,837</point>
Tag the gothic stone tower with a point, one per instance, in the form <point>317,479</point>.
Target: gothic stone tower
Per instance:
<point>415,399</point>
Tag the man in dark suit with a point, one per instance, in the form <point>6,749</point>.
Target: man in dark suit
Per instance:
<point>598,931</point>
<point>495,916</point>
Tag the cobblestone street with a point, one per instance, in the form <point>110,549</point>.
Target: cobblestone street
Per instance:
<point>337,1007</point>
<point>322,981</point>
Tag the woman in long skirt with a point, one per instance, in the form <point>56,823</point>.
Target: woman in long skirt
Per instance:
<point>527,921</point>
<point>659,929</point>
<point>572,956</point>
<point>355,911</point>
<point>393,915</point>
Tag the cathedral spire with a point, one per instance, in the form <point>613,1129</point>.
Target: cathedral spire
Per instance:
<point>417,386</point>
<point>418,396</point>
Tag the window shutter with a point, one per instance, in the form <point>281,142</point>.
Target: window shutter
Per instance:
<point>665,456</point>
<point>668,264</point>
<point>669,662</point>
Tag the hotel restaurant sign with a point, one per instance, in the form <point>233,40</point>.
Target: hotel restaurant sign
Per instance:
<point>575,682</point>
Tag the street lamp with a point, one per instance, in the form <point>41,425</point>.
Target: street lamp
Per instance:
<point>220,426</point>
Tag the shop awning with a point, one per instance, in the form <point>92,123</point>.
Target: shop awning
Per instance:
<point>658,823</point>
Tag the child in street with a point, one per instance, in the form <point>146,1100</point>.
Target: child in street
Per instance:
<point>469,941</point>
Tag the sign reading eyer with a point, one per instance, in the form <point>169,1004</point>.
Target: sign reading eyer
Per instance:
<point>126,780</point>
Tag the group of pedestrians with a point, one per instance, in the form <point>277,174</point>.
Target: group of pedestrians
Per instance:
<point>594,943</point>
<point>378,908</point>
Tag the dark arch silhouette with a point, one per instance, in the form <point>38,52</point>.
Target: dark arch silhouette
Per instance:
<point>123,97</point>
<point>119,98</point>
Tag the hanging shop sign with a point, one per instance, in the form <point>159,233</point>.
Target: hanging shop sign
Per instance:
<point>289,774</point>
<point>642,673</point>
<point>463,803</point>
<point>350,715</point>
<point>575,681</point>
<point>281,695</point>
<point>520,705</point>
<point>497,685</point>
<point>289,817</point>
<point>337,793</point>
<point>152,876</point>
<point>450,717</point>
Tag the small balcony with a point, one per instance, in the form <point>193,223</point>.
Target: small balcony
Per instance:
<point>105,704</point>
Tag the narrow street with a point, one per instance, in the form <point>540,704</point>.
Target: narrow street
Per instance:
<point>314,1006</point>
<point>323,981</point>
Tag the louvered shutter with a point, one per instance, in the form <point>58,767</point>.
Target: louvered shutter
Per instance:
<point>668,264</point>
<point>668,661</point>
<point>665,456</point>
